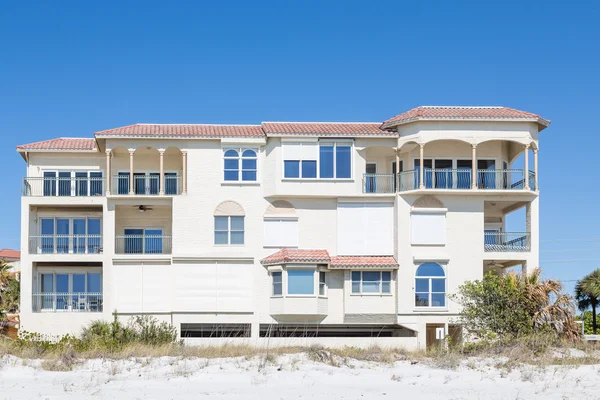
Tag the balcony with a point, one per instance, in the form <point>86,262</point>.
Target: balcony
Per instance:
<point>142,244</point>
<point>67,302</point>
<point>64,186</point>
<point>449,179</point>
<point>507,241</point>
<point>65,244</point>
<point>146,184</point>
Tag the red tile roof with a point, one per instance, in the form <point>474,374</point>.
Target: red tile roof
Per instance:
<point>9,253</point>
<point>88,144</point>
<point>462,113</point>
<point>284,256</point>
<point>183,131</point>
<point>349,262</point>
<point>326,129</point>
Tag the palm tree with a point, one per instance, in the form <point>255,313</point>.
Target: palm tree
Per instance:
<point>587,293</point>
<point>547,304</point>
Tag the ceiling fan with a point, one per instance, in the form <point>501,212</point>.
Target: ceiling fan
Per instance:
<point>143,208</point>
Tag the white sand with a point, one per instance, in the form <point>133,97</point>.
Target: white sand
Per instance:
<point>292,377</point>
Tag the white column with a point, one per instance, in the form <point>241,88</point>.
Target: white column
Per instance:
<point>131,185</point>
<point>535,169</point>
<point>474,167</point>
<point>397,177</point>
<point>526,172</point>
<point>107,175</point>
<point>161,154</point>
<point>422,166</point>
<point>184,178</point>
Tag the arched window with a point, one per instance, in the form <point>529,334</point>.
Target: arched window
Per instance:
<point>229,224</point>
<point>430,285</point>
<point>232,165</point>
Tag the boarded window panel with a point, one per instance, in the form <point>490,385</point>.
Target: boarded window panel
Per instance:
<point>281,233</point>
<point>379,230</point>
<point>428,229</point>
<point>292,151</point>
<point>365,229</point>
<point>310,151</point>
<point>351,229</point>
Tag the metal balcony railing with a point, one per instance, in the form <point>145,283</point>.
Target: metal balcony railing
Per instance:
<point>379,183</point>
<point>67,302</point>
<point>63,186</point>
<point>507,241</point>
<point>143,244</point>
<point>65,244</point>
<point>462,178</point>
<point>148,185</point>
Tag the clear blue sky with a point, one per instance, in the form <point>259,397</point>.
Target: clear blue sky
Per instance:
<point>69,68</point>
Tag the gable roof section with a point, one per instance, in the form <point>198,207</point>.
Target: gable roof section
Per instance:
<point>285,256</point>
<point>333,129</point>
<point>182,131</point>
<point>64,144</point>
<point>433,113</point>
<point>350,262</point>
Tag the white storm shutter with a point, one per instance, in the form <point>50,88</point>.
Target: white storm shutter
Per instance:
<point>292,151</point>
<point>428,228</point>
<point>281,233</point>
<point>365,229</point>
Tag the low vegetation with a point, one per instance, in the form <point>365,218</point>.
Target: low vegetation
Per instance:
<point>515,319</point>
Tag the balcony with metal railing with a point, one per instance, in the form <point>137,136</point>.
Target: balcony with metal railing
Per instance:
<point>507,241</point>
<point>65,244</point>
<point>67,302</point>
<point>143,244</point>
<point>449,179</point>
<point>67,186</point>
<point>146,184</point>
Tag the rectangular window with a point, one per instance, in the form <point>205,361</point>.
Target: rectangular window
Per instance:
<point>281,233</point>
<point>335,160</point>
<point>229,230</point>
<point>300,160</point>
<point>371,282</point>
<point>322,283</point>
<point>69,292</point>
<point>277,284</point>
<point>301,281</point>
<point>428,228</point>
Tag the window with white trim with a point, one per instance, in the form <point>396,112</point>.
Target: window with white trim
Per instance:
<point>300,281</point>
<point>371,282</point>
<point>229,230</point>
<point>430,285</point>
<point>300,159</point>
<point>281,232</point>
<point>322,283</point>
<point>277,283</point>
<point>240,164</point>
<point>326,159</point>
<point>335,159</point>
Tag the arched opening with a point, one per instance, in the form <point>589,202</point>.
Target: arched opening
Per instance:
<point>506,164</point>
<point>430,285</point>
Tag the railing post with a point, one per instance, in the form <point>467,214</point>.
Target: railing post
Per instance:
<point>526,172</point>
<point>474,167</point>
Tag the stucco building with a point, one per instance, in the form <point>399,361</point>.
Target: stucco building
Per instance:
<point>291,232</point>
